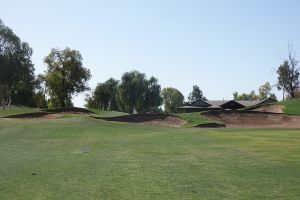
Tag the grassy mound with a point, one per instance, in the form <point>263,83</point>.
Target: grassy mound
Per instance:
<point>291,107</point>
<point>196,119</point>
<point>104,113</point>
<point>150,119</point>
<point>18,111</point>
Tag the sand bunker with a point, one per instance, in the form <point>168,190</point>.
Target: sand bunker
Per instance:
<point>150,119</point>
<point>252,119</point>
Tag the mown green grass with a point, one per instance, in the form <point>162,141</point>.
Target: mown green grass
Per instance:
<point>85,158</point>
<point>17,111</point>
<point>195,118</point>
<point>104,113</point>
<point>291,107</point>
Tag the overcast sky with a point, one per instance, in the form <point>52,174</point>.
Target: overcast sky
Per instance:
<point>222,46</point>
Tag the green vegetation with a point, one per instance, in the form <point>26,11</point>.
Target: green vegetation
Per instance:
<point>84,158</point>
<point>104,113</point>
<point>17,111</point>
<point>195,118</point>
<point>291,107</point>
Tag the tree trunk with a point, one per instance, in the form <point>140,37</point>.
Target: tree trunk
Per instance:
<point>62,102</point>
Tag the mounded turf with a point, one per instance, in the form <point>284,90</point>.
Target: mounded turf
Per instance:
<point>85,158</point>
<point>196,119</point>
<point>291,107</point>
<point>17,111</point>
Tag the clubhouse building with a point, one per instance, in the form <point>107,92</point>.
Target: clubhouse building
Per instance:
<point>201,105</point>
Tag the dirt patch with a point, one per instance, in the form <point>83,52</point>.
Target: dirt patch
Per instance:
<point>253,119</point>
<point>270,108</point>
<point>150,119</point>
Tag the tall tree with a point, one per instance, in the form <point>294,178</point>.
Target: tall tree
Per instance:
<point>132,91</point>
<point>104,96</point>
<point>152,99</point>
<point>172,99</point>
<point>288,74</point>
<point>137,94</point>
<point>265,92</point>
<point>196,94</point>
<point>65,75</point>
<point>244,96</point>
<point>16,68</point>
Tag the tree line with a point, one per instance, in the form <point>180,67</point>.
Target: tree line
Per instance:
<point>133,93</point>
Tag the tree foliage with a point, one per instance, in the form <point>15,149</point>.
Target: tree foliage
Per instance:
<point>245,96</point>
<point>196,94</point>
<point>264,92</point>
<point>133,94</point>
<point>65,75</point>
<point>288,75</point>
<point>136,94</point>
<point>132,91</point>
<point>104,96</point>
<point>16,68</point>
<point>172,99</point>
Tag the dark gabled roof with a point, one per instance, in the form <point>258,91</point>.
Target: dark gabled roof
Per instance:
<point>248,103</point>
<point>199,103</point>
<point>232,104</point>
<point>266,101</point>
<point>190,107</point>
<point>216,103</point>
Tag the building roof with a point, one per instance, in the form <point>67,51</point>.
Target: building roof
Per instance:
<point>187,107</point>
<point>224,103</point>
<point>199,103</point>
<point>248,103</point>
<point>217,103</point>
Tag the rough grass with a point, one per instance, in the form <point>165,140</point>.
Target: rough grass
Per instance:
<point>291,107</point>
<point>196,118</point>
<point>84,158</point>
<point>17,111</point>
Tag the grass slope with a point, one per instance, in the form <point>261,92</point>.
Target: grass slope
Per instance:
<point>104,113</point>
<point>84,158</point>
<point>17,111</point>
<point>195,118</point>
<point>291,107</point>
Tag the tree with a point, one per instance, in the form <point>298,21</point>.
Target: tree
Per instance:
<point>265,92</point>
<point>136,94</point>
<point>246,97</point>
<point>104,96</point>
<point>196,94</point>
<point>132,91</point>
<point>153,99</point>
<point>288,75</point>
<point>16,68</point>
<point>172,99</point>
<point>65,75</point>
<point>112,85</point>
